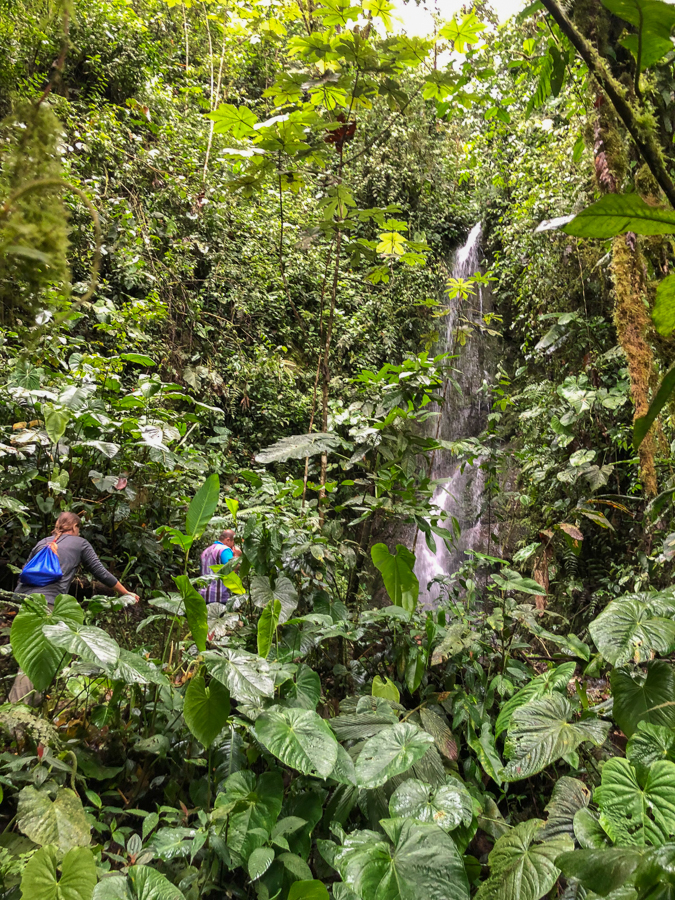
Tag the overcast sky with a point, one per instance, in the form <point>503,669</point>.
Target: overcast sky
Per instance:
<point>417,20</point>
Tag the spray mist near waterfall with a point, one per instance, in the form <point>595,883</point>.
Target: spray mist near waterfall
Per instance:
<point>463,415</point>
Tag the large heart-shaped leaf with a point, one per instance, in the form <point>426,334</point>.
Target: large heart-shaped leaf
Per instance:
<point>262,594</point>
<point>305,690</point>
<point>76,882</point>
<point>300,738</point>
<point>553,680</point>
<point>251,809</point>
<point>635,627</point>
<point>308,890</point>
<point>61,821</point>
<point>649,698</point>
<point>521,868</point>
<point>142,883</point>
<point>195,610</point>
<point>420,862</point>
<point>617,213</point>
<point>132,668</point>
<point>203,506</point>
<point>299,446</point>
<point>86,641</point>
<point>245,675</point>
<point>541,733</point>
<point>206,709</point>
<point>447,806</point>
<point>397,573</point>
<point>636,816</point>
<point>649,744</point>
<point>267,627</point>
<point>38,658</point>
<point>390,752</point>
<point>56,421</point>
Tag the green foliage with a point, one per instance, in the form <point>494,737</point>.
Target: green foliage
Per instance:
<point>299,738</point>
<point>634,627</point>
<point>33,651</point>
<point>206,709</point>
<point>75,882</point>
<point>397,574</point>
<point>618,213</point>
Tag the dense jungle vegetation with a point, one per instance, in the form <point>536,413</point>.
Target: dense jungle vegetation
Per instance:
<point>226,242</point>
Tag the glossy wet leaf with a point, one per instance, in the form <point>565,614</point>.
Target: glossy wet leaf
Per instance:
<point>633,814</point>
<point>553,680</point>
<point>635,627</point>
<point>601,871</point>
<point>568,797</point>
<point>203,506</point>
<point>245,675</point>
<point>86,641</point>
<point>618,213</point>
<point>544,731</point>
<point>522,867</point>
<point>195,610</point>
<point>300,738</point>
<point>267,627</point>
<point>447,806</point>
<point>646,698</point>
<point>649,744</point>
<point>37,656</point>
<point>390,752</point>
<point>397,573</point>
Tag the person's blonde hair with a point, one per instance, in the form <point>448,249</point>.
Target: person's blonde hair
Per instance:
<point>66,522</point>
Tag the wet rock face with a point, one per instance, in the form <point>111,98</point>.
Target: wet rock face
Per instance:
<point>464,415</point>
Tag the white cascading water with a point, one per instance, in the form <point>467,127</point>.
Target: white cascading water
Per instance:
<point>462,416</point>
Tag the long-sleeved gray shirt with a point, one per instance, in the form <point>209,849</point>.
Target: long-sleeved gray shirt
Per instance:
<point>72,550</point>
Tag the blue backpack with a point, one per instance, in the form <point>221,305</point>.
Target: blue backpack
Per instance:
<point>44,568</point>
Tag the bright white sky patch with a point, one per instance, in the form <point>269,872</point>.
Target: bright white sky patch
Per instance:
<point>418,21</point>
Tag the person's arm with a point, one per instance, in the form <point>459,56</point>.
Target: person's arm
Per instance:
<point>99,571</point>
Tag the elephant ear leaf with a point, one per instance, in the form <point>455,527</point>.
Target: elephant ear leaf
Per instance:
<point>300,738</point>
<point>206,709</point>
<point>522,867</point>
<point>38,658</point>
<point>77,881</point>
<point>397,573</point>
<point>645,698</point>
<point>542,732</point>
<point>203,506</point>
<point>391,752</point>
<point>635,627</point>
<point>61,822</point>
<point>195,610</point>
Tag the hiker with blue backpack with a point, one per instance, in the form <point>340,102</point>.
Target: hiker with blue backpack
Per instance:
<point>218,553</point>
<point>50,569</point>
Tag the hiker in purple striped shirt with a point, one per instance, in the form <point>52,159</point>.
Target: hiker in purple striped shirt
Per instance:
<point>219,553</point>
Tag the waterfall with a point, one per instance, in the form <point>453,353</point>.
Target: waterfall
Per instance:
<point>462,416</point>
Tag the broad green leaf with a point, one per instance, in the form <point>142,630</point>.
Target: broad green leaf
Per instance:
<point>391,244</point>
<point>483,745</point>
<point>447,806</point>
<point>132,668</point>
<point>463,32</point>
<point>649,744</point>
<point>233,506</point>
<point>262,593</point>
<point>389,753</point>
<point>633,815</point>
<point>195,610</point>
<point>522,868</point>
<point>397,573</point>
<point>655,875</point>
<point>56,421</point>
<point>300,738</point>
<point>203,506</point>
<point>509,580</point>
<point>308,890</point>
<point>250,808</point>
<point>60,821</point>
<point>644,423</point>
<point>635,627</point>
<point>78,878</point>
<point>235,120</point>
<point>147,883</point>
<point>568,797</point>
<point>421,862</point>
<point>649,699</point>
<point>86,641</point>
<point>259,862</point>
<point>663,312</point>
<point>653,20</point>
<point>617,213</point>
<point>588,831</point>
<point>601,871</point>
<point>172,842</point>
<point>541,733</point>
<point>245,675</point>
<point>305,690</point>
<point>386,689</point>
<point>38,658</point>
<point>267,627</point>
<point>299,446</point>
<point>139,358</point>
<point>553,680</point>
<point>206,709</point>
